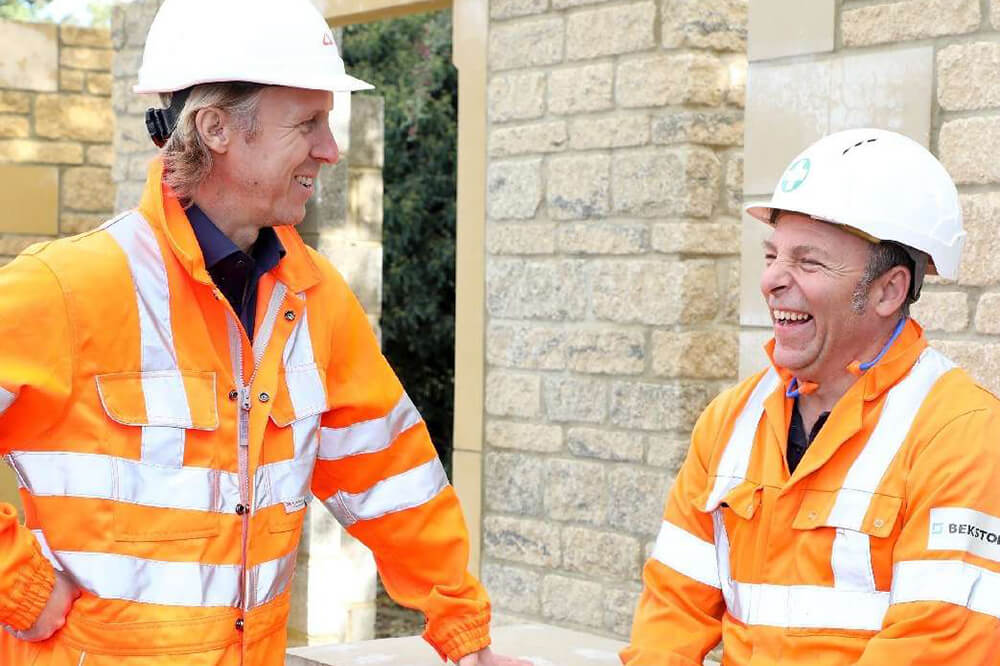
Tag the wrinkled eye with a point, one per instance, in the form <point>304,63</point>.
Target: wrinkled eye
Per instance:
<point>769,258</point>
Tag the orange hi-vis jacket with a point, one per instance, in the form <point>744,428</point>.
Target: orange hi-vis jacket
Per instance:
<point>165,462</point>
<point>882,548</point>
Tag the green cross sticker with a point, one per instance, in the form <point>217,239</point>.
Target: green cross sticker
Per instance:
<point>795,175</point>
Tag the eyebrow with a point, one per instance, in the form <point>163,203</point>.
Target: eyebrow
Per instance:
<point>797,250</point>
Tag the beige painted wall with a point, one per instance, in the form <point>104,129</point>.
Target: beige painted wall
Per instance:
<point>926,68</point>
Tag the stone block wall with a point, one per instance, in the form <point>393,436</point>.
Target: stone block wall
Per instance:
<point>55,132</point>
<point>615,133</point>
<point>927,68</point>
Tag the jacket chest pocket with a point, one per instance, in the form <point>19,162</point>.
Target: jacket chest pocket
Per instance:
<point>153,415</point>
<point>282,488</point>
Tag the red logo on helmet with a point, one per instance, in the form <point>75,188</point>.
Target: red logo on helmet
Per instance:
<point>327,39</point>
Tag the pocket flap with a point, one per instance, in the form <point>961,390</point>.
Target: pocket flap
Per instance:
<point>301,393</point>
<point>743,500</point>
<point>172,398</point>
<point>817,505</point>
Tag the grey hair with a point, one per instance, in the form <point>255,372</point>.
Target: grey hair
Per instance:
<point>881,258</point>
<point>187,160</point>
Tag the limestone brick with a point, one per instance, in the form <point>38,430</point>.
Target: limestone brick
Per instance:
<point>988,314</point>
<point>72,35</point>
<point>129,195</point>
<point>617,131</point>
<point>720,25</point>
<point>79,117</point>
<point>516,96</point>
<point>981,213</point>
<point>722,237</point>
<point>76,223</point>
<point>610,30</point>
<point>12,245</point>
<point>367,131</point>
<point>534,437</point>
<point>567,4</point>
<point>514,189</point>
<point>619,608</point>
<point>547,137</point>
<point>661,79</point>
<point>636,499</point>
<point>734,184</point>
<point>581,89</point>
<point>82,58</point>
<point>578,187</point>
<point>14,127</point>
<point>527,346</point>
<point>910,19</point>
<point>578,399</point>
<point>736,93</point>
<point>979,359</point>
<point>48,152</point>
<point>567,599</point>
<point>88,189</point>
<point>729,287</point>
<point>360,262</point>
<point>526,43</point>
<point>137,22</point>
<point>513,588</point>
<point>130,135</point>
<point>524,289</point>
<point>505,9</point>
<point>603,237</point>
<point>124,102</point>
<point>521,540</point>
<point>71,80</point>
<point>32,62</point>
<point>711,354</point>
<point>668,452</point>
<point>99,83</point>
<point>600,554</point>
<point>613,351</point>
<point>513,394</point>
<point>669,181</point>
<point>14,102</point>
<point>646,406</point>
<point>657,292</point>
<point>969,76</point>
<point>126,62</point>
<point>942,311</point>
<point>613,445</point>
<point>514,483</point>
<point>100,155</point>
<point>995,13</point>
<point>575,490</point>
<point>521,238</point>
<point>711,128</point>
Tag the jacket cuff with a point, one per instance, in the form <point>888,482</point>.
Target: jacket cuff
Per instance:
<point>31,591</point>
<point>462,639</point>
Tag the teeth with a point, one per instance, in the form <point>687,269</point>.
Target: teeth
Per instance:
<point>305,182</point>
<point>784,315</point>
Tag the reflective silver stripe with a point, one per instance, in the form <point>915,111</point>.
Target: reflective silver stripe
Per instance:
<point>43,543</point>
<point>305,385</point>
<point>894,424</point>
<point>263,336</point>
<point>111,576</point>
<point>948,581</point>
<point>732,470</point>
<point>368,436</point>
<point>164,394</point>
<point>270,580</point>
<point>6,399</point>
<point>286,480</point>
<point>687,554</point>
<point>397,493</point>
<point>808,607</point>
<point>107,477</point>
<point>851,558</point>
<point>722,560</point>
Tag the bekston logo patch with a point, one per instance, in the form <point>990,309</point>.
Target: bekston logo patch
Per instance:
<point>953,528</point>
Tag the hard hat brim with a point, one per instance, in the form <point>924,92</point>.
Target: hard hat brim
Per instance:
<point>337,83</point>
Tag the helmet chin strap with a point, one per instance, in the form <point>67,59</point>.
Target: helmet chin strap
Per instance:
<point>856,368</point>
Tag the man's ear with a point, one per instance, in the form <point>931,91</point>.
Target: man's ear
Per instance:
<point>213,126</point>
<point>893,288</point>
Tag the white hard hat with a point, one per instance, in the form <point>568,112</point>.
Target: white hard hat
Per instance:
<point>880,183</point>
<point>273,42</point>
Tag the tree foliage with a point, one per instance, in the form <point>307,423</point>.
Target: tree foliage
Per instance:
<point>409,61</point>
<point>23,10</point>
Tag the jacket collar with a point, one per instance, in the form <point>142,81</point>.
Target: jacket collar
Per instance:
<point>161,208</point>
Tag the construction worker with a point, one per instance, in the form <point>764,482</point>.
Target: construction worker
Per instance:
<point>842,506</point>
<point>176,385</point>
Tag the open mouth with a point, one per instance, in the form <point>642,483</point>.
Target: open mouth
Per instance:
<point>305,181</point>
<point>790,317</point>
